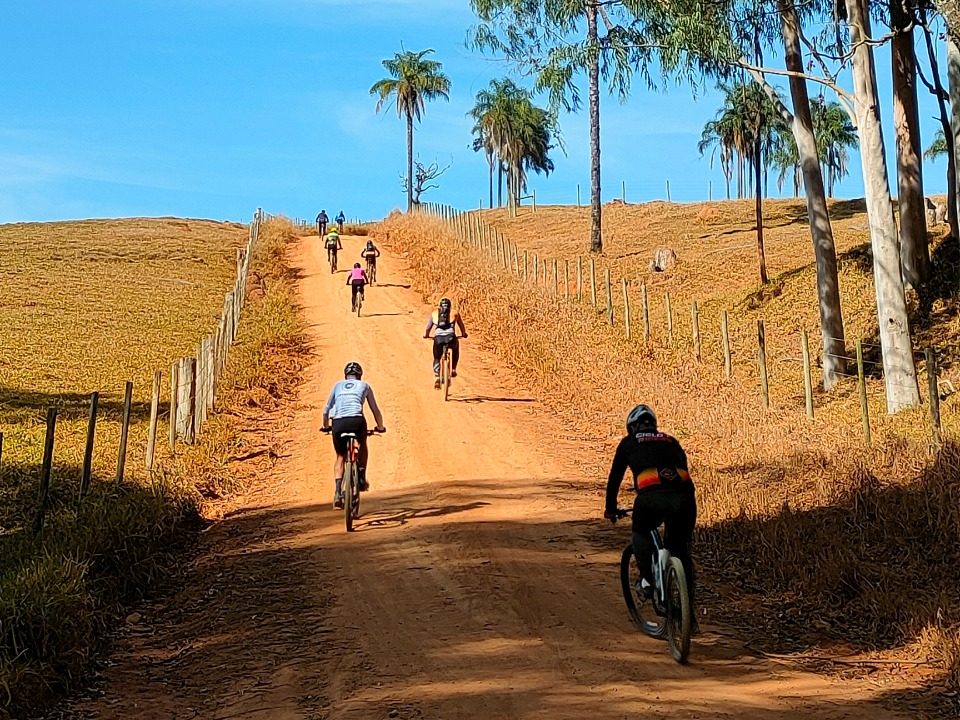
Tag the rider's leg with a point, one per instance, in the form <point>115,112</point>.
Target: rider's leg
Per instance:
<point>455,350</point>
<point>339,447</point>
<point>362,456</point>
<point>437,354</point>
<point>647,514</point>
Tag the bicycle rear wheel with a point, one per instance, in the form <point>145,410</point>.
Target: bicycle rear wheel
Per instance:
<point>678,611</point>
<point>349,493</point>
<point>641,610</point>
<point>359,302</point>
<point>445,374</point>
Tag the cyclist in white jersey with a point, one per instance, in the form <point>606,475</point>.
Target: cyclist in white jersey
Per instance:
<point>444,321</point>
<point>345,408</point>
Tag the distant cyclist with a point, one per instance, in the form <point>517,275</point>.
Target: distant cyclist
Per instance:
<point>446,321</point>
<point>322,221</point>
<point>665,493</point>
<point>332,243</point>
<point>357,281</point>
<point>370,253</point>
<point>340,221</point>
<point>345,408</point>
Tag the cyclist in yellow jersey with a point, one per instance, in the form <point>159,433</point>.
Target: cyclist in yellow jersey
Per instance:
<point>445,321</point>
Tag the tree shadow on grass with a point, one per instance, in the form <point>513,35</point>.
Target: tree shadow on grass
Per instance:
<point>72,405</point>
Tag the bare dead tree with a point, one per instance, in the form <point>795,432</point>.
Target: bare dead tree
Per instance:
<point>423,177</point>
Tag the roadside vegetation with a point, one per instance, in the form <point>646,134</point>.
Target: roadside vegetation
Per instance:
<point>808,540</point>
<point>97,303</point>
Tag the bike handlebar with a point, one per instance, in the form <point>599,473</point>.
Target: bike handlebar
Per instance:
<point>329,430</point>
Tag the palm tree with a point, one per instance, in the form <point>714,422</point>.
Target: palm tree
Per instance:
<point>510,128</point>
<point>937,148</point>
<point>746,128</point>
<point>834,133</point>
<point>413,80</point>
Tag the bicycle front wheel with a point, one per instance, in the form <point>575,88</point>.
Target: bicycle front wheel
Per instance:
<point>349,494</point>
<point>445,375</point>
<point>678,611</point>
<point>641,611</point>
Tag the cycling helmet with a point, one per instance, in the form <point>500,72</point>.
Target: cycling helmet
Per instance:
<point>353,368</point>
<point>640,418</point>
<point>356,265</point>
<point>445,304</point>
<point>369,243</point>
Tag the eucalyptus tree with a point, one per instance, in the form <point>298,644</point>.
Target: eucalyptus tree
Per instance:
<point>413,80</point>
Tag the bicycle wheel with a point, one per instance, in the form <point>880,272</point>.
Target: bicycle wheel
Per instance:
<point>445,374</point>
<point>678,611</point>
<point>359,302</point>
<point>641,610</point>
<point>349,493</point>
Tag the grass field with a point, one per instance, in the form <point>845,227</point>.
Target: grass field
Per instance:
<point>85,306</point>
<point>716,266</point>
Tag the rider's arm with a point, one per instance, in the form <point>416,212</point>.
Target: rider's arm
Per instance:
<point>459,320</point>
<point>617,470</point>
<point>339,244</point>
<point>372,402</point>
<point>378,251</point>
<point>329,406</point>
<point>426,332</point>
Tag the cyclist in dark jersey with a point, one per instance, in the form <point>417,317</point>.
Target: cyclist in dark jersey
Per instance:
<point>322,221</point>
<point>345,407</point>
<point>665,492</point>
<point>446,321</point>
<point>340,221</point>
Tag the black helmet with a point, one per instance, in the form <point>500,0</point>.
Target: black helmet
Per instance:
<point>356,265</point>
<point>445,304</point>
<point>353,368</point>
<point>641,418</point>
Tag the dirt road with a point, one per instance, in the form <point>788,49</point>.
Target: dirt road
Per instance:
<point>479,584</point>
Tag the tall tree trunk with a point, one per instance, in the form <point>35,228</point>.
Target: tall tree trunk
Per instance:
<point>942,97</point>
<point>953,78</point>
<point>596,236</point>
<point>914,247</point>
<point>758,199</point>
<point>821,232</point>
<point>409,162</point>
<point>490,177</point>
<point>899,372</point>
<point>499,184</point>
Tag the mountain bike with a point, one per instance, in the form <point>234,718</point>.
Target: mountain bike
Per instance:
<point>351,479</point>
<point>668,613</point>
<point>356,301</point>
<point>372,270</point>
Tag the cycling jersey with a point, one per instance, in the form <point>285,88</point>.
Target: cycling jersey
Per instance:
<point>655,459</point>
<point>357,275</point>
<point>346,400</point>
<point>370,253</point>
<point>446,325</point>
<point>333,241</point>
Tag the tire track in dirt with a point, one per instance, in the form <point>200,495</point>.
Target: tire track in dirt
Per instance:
<point>477,584</point>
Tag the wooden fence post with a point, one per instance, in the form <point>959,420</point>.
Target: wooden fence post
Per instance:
<point>606,280</point>
<point>762,359</point>
<point>626,307</point>
<point>1,451</point>
<point>695,324</point>
<point>807,375</point>
<point>669,309</point>
<point>862,384</point>
<point>593,282</point>
<point>124,429</point>
<point>88,448</point>
<point>525,262</point>
<point>211,369</point>
<point>154,414</point>
<point>933,390</point>
<point>645,310</point>
<point>46,469</point>
<point>186,404</point>
<point>579,279</point>
<point>174,398</point>
<point>556,276</point>
<point>566,279</point>
<point>725,342</point>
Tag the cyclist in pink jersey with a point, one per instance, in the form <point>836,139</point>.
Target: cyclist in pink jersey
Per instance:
<point>357,279</point>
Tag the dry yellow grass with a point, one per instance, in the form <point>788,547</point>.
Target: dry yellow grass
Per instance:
<point>61,592</point>
<point>85,306</point>
<point>823,540</point>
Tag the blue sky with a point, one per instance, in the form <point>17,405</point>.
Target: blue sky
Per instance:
<point>211,108</point>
